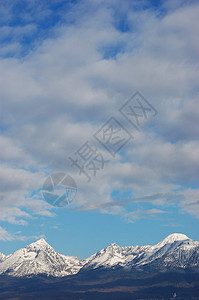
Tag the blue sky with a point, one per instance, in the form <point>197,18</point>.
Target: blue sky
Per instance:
<point>66,68</point>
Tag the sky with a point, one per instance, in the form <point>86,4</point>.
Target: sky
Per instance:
<point>105,92</point>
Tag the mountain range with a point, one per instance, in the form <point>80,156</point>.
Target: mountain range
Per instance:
<point>176,252</point>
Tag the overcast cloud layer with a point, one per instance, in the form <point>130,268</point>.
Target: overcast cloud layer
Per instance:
<point>60,86</point>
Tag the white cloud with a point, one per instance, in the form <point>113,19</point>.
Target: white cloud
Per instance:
<point>5,235</point>
<point>66,88</point>
<point>190,201</point>
<point>17,187</point>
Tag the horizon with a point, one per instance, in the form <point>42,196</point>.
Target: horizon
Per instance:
<point>99,123</point>
<point>43,239</point>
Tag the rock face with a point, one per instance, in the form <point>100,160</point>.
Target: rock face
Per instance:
<point>175,252</point>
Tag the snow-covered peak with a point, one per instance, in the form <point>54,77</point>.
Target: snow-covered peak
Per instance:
<point>113,246</point>
<point>40,242</point>
<point>174,237</point>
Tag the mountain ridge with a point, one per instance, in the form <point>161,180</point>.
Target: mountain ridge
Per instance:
<point>176,251</point>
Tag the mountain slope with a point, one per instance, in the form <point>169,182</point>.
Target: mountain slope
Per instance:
<point>170,243</point>
<point>114,255</point>
<point>184,255</point>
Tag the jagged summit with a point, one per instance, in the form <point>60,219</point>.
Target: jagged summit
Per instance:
<point>113,245</point>
<point>39,245</point>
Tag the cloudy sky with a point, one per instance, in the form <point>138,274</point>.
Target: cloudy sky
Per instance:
<point>66,69</point>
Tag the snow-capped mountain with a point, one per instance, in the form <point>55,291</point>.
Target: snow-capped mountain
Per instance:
<point>39,258</point>
<point>169,244</point>
<point>139,256</point>
<point>183,254</point>
<point>174,252</point>
<point>114,255</point>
